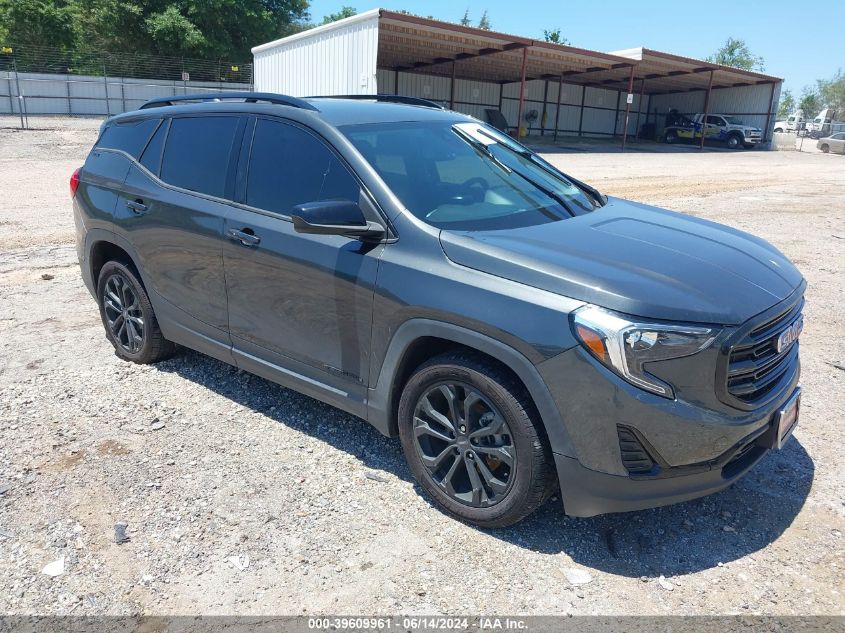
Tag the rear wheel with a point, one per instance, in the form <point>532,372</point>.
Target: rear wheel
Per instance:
<point>128,318</point>
<point>473,441</point>
<point>671,137</point>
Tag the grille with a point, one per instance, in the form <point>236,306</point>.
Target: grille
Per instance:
<point>755,367</point>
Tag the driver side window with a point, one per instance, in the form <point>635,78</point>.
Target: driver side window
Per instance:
<point>289,166</point>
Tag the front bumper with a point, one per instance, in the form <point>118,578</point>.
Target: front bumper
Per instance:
<point>696,450</point>
<point>586,492</point>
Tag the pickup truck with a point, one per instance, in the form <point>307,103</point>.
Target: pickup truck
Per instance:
<point>793,123</point>
<point>719,127</point>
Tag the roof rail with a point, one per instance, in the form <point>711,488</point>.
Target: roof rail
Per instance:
<point>388,98</point>
<point>246,97</point>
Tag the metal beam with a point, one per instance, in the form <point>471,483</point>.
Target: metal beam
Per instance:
<point>706,111</point>
<point>521,91</point>
<point>769,113</point>
<point>628,98</point>
<point>557,112</point>
<point>452,89</point>
<point>639,111</point>
<point>460,56</point>
<point>543,116</point>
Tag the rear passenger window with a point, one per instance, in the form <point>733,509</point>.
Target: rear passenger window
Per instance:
<point>289,166</point>
<point>151,158</point>
<point>129,137</point>
<point>196,155</point>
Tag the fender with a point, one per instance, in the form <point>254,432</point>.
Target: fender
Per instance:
<point>92,237</point>
<point>381,405</point>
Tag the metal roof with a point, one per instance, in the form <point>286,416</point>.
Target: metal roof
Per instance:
<point>415,44</point>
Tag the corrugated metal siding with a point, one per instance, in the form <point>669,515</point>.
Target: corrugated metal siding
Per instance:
<point>86,94</point>
<point>340,60</point>
<point>749,103</point>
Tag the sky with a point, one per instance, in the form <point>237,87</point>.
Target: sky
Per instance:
<point>797,49</point>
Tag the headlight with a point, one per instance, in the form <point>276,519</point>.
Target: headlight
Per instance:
<point>625,346</point>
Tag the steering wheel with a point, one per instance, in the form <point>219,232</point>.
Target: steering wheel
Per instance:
<point>475,188</point>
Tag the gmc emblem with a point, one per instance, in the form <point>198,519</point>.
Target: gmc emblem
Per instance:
<point>789,335</point>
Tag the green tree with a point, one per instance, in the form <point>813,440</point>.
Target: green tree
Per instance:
<point>36,23</point>
<point>208,28</point>
<point>787,104</point>
<point>832,92</point>
<point>810,102</point>
<point>484,22</point>
<point>554,36</point>
<point>735,53</point>
<point>345,12</point>
<point>465,21</point>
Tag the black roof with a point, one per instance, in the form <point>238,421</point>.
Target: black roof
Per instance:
<point>336,111</point>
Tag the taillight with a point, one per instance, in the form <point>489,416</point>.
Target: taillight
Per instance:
<point>74,182</point>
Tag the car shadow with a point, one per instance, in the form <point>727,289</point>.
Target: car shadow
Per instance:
<point>677,539</point>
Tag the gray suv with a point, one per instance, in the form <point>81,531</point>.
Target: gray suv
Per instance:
<point>518,330</point>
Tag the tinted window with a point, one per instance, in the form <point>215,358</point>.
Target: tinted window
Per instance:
<point>466,176</point>
<point>151,158</point>
<point>129,137</point>
<point>196,155</point>
<point>289,166</point>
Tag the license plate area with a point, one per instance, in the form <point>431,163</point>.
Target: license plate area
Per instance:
<point>786,419</point>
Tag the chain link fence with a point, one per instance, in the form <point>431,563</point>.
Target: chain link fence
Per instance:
<point>40,80</point>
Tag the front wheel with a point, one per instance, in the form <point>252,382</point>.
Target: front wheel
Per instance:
<point>825,148</point>
<point>734,141</point>
<point>473,440</point>
<point>128,318</point>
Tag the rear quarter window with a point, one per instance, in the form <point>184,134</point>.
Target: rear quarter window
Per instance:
<point>130,137</point>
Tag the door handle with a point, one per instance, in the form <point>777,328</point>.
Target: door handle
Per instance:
<point>137,206</point>
<point>247,237</point>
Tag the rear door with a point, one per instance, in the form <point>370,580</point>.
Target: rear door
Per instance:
<point>171,210</point>
<point>300,306</point>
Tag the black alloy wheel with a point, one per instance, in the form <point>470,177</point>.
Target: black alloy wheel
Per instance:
<point>123,315</point>
<point>465,444</point>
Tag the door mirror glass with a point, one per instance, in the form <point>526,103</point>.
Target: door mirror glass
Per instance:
<point>334,217</point>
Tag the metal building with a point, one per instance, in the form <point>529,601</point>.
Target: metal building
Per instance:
<point>547,89</point>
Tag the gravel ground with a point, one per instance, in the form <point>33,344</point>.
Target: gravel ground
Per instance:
<point>241,497</point>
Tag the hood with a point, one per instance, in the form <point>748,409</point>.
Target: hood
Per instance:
<point>639,260</point>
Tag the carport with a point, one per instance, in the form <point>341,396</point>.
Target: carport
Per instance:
<point>540,88</point>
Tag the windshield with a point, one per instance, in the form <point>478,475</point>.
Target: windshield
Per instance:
<point>467,176</point>
<point>732,120</point>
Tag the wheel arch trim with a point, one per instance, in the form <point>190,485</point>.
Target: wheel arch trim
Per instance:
<point>382,406</point>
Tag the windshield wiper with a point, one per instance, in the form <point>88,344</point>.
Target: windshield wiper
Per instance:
<point>592,192</point>
<point>482,149</point>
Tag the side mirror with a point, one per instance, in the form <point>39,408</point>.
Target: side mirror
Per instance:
<point>334,217</point>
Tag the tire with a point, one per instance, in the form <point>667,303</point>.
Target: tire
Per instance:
<point>128,318</point>
<point>499,424</point>
<point>734,141</point>
<point>778,130</point>
<point>825,148</point>
<point>671,137</point>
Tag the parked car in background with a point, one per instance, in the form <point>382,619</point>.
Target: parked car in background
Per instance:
<point>723,128</point>
<point>834,143</point>
<point>519,331</point>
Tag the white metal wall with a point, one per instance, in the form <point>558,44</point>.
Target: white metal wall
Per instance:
<point>339,58</point>
<point>473,97</point>
<point>80,94</point>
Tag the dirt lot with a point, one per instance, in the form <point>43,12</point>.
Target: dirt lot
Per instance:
<point>244,498</point>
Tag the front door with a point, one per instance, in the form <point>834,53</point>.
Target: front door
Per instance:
<point>300,306</point>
